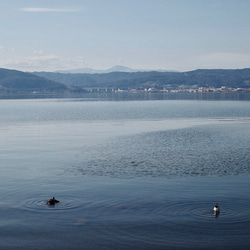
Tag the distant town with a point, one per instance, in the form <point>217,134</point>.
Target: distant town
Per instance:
<point>222,89</point>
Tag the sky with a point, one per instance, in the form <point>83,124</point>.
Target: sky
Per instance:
<point>180,35</point>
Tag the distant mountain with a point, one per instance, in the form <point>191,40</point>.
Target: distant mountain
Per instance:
<point>78,71</point>
<point>117,68</point>
<point>18,81</point>
<point>214,78</point>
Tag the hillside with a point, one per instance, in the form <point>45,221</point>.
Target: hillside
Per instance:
<point>17,81</point>
<point>239,78</point>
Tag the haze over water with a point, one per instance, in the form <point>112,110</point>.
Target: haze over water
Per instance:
<point>129,174</point>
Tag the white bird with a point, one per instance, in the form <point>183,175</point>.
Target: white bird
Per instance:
<point>216,208</point>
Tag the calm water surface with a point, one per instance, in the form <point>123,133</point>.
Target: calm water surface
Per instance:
<point>129,174</point>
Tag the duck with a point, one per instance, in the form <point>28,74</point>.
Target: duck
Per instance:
<point>52,201</point>
<point>216,208</point>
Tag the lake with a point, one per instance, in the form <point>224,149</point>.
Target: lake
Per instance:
<point>129,174</point>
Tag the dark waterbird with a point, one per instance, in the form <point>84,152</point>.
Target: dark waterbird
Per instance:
<point>52,201</point>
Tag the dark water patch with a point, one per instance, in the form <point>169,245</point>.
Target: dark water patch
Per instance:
<point>221,150</point>
<point>135,213</point>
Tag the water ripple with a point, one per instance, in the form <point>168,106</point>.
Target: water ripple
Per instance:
<point>166,223</point>
<point>41,204</point>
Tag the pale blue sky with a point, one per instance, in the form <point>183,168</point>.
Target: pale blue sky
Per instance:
<point>178,35</point>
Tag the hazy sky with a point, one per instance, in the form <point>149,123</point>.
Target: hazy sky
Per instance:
<point>178,35</point>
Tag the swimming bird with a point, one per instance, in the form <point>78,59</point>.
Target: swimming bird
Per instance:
<point>217,208</point>
<point>52,201</point>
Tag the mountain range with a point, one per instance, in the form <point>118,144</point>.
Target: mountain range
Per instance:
<point>18,81</point>
<point>209,78</point>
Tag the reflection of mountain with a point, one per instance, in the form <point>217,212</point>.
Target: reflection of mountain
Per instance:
<point>17,81</point>
<point>214,78</point>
